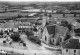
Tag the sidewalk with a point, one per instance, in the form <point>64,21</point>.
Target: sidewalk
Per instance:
<point>26,52</point>
<point>30,52</point>
<point>51,48</point>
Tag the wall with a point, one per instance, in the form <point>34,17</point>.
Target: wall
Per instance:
<point>70,52</point>
<point>45,33</point>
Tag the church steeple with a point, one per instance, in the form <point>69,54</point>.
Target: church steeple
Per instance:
<point>45,20</point>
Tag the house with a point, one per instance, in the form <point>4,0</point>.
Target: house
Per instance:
<point>48,32</point>
<point>70,51</point>
<point>53,34</point>
<point>71,47</point>
<point>62,32</point>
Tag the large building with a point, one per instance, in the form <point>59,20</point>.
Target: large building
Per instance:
<point>54,34</point>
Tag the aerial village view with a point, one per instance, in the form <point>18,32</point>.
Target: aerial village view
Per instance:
<point>39,28</point>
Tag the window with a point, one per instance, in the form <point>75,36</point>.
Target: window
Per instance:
<point>74,51</point>
<point>60,39</point>
<point>45,38</point>
<point>53,40</point>
<point>66,50</point>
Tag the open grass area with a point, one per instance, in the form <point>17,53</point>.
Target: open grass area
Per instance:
<point>11,54</point>
<point>8,14</point>
<point>11,14</point>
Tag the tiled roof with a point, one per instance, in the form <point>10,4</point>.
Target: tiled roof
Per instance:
<point>77,30</point>
<point>51,29</point>
<point>71,44</point>
<point>61,30</point>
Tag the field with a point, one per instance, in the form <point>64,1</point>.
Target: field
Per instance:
<point>69,17</point>
<point>11,14</point>
<point>11,54</point>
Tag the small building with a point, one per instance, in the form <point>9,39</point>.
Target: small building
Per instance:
<point>70,51</point>
<point>71,47</point>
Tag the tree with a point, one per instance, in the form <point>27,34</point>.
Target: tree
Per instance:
<point>1,32</point>
<point>10,43</point>
<point>4,41</point>
<point>50,15</point>
<point>24,44</point>
<point>15,37</point>
<point>29,32</point>
<point>64,23</point>
<point>19,16</point>
<point>69,26</point>
<point>37,40</point>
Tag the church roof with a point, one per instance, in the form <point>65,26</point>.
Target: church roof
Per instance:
<point>51,29</point>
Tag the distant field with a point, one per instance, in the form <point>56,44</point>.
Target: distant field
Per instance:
<point>69,17</point>
<point>66,15</point>
<point>11,54</point>
<point>11,14</point>
<point>8,14</point>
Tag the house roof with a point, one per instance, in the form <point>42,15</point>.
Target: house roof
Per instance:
<point>77,30</point>
<point>51,29</point>
<point>71,44</point>
<point>61,30</point>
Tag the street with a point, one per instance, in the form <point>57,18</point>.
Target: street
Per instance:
<point>31,48</point>
<point>30,44</point>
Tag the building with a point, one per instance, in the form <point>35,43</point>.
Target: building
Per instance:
<point>71,47</point>
<point>54,34</point>
<point>70,51</point>
<point>62,32</point>
<point>48,33</point>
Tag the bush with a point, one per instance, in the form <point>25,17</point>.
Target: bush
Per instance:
<point>29,33</point>
<point>10,43</point>
<point>4,41</point>
<point>24,44</point>
<point>15,37</point>
<point>35,39</point>
<point>38,40</point>
<point>1,32</point>
<point>19,16</point>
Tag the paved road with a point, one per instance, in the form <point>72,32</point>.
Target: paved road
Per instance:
<point>32,48</point>
<point>30,52</point>
<point>35,47</point>
<point>30,45</point>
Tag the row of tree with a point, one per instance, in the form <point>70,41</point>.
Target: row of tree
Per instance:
<point>31,36</point>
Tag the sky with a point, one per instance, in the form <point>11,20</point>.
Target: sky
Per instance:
<point>42,0</point>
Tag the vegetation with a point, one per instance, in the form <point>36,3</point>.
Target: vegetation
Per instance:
<point>32,37</point>
<point>15,37</point>
<point>35,39</point>
<point>4,41</point>
<point>29,32</point>
<point>66,24</point>
<point>24,44</point>
<point>1,32</point>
